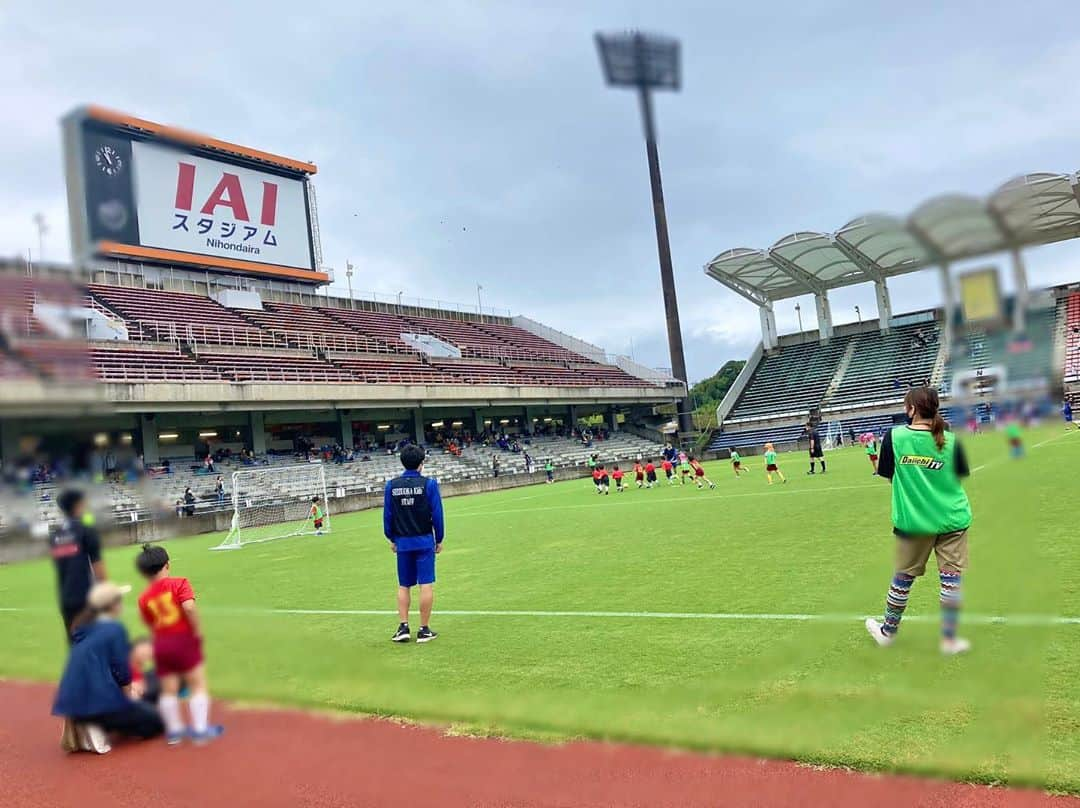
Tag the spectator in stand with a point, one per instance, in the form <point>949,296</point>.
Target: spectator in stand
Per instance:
<point>219,490</point>
<point>528,463</point>
<point>189,502</point>
<point>494,465</point>
<point>208,464</point>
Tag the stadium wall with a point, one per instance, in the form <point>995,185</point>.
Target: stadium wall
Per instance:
<point>158,530</point>
<point>737,387</point>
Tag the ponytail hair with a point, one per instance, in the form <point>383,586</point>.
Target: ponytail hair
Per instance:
<point>88,615</point>
<point>924,400</point>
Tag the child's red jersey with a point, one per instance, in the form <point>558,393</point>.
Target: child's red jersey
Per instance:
<point>617,474</point>
<point>666,465</point>
<point>650,467</point>
<point>160,605</point>
<point>597,474</point>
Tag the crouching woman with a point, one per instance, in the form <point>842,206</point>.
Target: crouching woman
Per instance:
<point>94,696</point>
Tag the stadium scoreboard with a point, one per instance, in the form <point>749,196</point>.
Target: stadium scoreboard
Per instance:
<point>143,192</point>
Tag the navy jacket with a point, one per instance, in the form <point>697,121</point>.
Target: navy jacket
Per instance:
<point>97,668</point>
<point>412,512</point>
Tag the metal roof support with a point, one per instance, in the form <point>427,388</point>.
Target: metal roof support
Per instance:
<point>946,280</point>
<point>769,339</point>
<point>797,273</point>
<point>884,303</point>
<point>1021,295</point>
<point>881,288</point>
<point>824,315</point>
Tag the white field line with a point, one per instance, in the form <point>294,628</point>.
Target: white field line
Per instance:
<point>1026,620</point>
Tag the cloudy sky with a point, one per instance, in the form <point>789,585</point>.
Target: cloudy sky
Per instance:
<point>474,143</point>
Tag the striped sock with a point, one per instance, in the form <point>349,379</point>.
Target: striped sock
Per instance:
<point>950,602</point>
<point>896,602</point>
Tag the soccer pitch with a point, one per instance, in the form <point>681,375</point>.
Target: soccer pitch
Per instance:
<point>721,620</point>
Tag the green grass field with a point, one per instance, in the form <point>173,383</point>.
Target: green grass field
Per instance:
<point>816,690</point>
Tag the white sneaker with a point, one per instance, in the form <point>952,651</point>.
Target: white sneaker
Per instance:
<point>92,738</point>
<point>873,628</point>
<point>957,645</point>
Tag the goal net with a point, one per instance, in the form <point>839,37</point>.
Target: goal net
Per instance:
<point>833,434</point>
<point>277,503</point>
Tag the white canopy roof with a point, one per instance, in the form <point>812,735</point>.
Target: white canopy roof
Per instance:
<point>1026,211</point>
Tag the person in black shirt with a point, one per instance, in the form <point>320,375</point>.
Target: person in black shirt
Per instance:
<point>817,452</point>
<point>76,551</point>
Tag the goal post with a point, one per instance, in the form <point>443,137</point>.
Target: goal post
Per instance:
<point>272,503</point>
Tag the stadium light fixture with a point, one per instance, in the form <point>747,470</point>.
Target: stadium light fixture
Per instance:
<point>648,62</point>
<point>168,436</point>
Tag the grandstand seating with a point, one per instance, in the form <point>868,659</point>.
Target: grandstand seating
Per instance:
<point>791,380</point>
<point>120,365</point>
<point>883,366</point>
<point>281,368</point>
<point>495,353</point>
<point>392,370</point>
<point>1071,305</point>
<point>174,316</point>
<point>58,360</point>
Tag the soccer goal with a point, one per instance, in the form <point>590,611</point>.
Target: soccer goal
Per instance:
<point>276,503</point>
<point>833,434</point>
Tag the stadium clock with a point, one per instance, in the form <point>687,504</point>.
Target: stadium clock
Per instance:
<point>108,160</point>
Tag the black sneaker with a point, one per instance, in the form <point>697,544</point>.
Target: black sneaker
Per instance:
<point>425,634</point>
<point>402,633</point>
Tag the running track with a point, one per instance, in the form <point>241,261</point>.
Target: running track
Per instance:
<point>296,760</point>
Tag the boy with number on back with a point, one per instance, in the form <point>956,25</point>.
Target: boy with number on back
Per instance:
<point>413,524</point>
<point>167,606</point>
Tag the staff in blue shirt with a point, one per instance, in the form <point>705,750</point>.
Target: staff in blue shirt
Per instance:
<point>413,524</point>
<point>96,685</point>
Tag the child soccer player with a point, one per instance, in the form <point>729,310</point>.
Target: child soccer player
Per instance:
<point>604,481</point>
<point>617,475</point>
<point>639,474</point>
<point>684,468</point>
<point>770,464</point>
<point>549,470</point>
<point>1015,438</point>
<point>699,474</point>
<point>669,470</point>
<point>597,474</point>
<point>413,524</point>
<point>316,515</point>
<point>736,463</point>
<point>872,451</point>
<point>167,606</point>
<point>650,474</point>
<point>930,513</point>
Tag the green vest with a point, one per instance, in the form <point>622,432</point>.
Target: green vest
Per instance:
<point>927,497</point>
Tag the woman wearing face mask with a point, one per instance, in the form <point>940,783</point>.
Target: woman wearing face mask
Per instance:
<point>930,514</point>
<point>95,696</point>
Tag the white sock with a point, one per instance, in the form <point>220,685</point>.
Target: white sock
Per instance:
<point>199,705</point>
<point>169,707</point>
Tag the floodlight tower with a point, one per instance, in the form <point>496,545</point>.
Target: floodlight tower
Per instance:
<point>646,62</point>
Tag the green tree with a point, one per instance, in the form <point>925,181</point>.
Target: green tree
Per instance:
<point>707,394</point>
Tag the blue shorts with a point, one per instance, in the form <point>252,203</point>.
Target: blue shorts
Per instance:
<point>416,567</point>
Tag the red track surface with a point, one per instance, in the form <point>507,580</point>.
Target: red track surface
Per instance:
<point>288,758</point>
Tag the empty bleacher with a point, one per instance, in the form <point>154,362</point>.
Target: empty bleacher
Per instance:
<point>884,366</point>
<point>179,316</point>
<point>280,368</point>
<point>117,364</point>
<point>1071,323</point>
<point>791,380</point>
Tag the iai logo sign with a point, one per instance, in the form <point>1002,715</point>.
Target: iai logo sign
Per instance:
<point>198,205</point>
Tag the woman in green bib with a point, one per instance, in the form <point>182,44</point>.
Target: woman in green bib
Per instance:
<point>930,514</point>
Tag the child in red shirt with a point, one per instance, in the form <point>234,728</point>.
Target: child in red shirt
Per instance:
<point>639,474</point>
<point>669,471</point>
<point>617,475</point>
<point>167,606</point>
<point>650,474</point>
